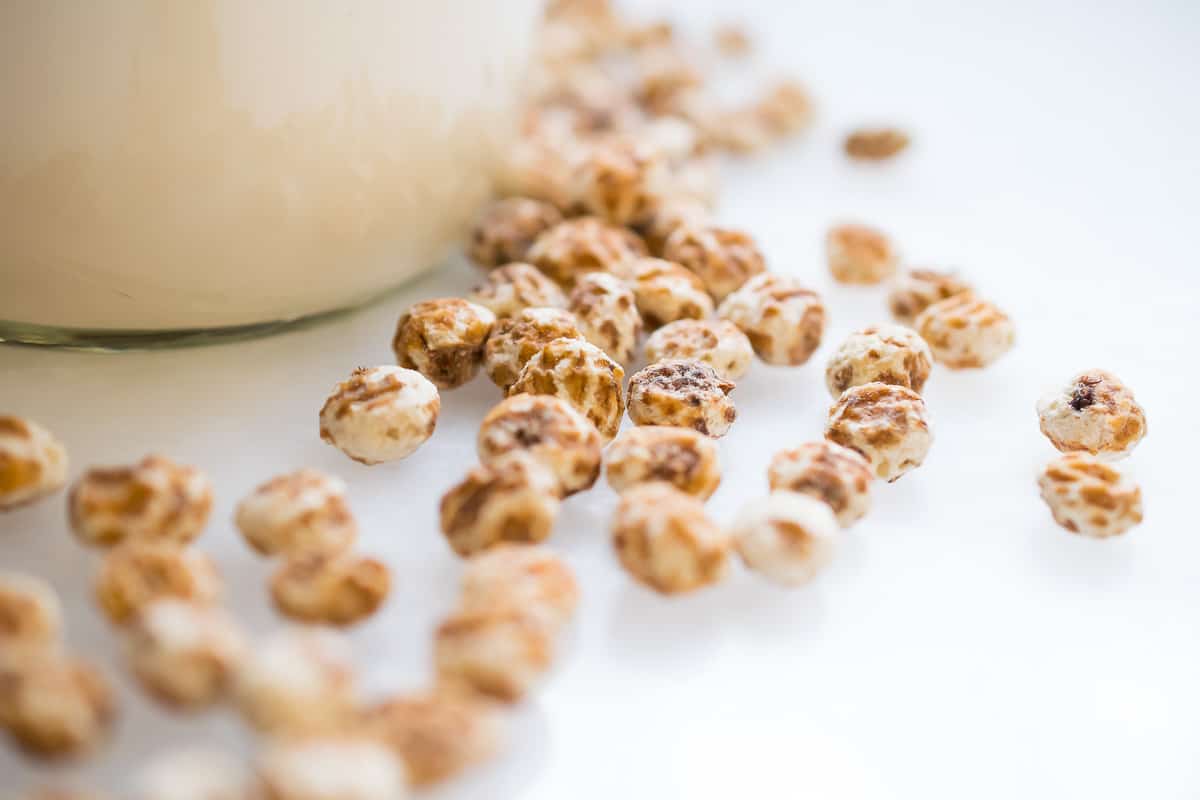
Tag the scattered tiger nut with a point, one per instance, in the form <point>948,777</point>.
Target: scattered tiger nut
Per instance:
<point>607,314</point>
<point>786,108</point>
<point>1089,497</point>
<point>500,653</point>
<point>836,475</point>
<point>732,40</point>
<point>880,353</point>
<point>540,170</point>
<point>520,337</point>
<point>582,245</point>
<point>665,541</point>
<point>297,512</point>
<point>722,257</point>
<point>33,463</point>
<point>508,290</point>
<point>55,707</point>
<point>787,537</point>
<point>185,655</point>
<point>580,373</point>
<point>858,254</point>
<point>886,424</point>
<point>513,499</point>
<point>662,74</point>
<point>682,392</point>
<point>917,289</point>
<point>137,574</point>
<point>443,340</point>
<point>966,332</point>
<point>673,213</point>
<point>717,342</point>
<point>1095,413</point>
<point>620,181</point>
<point>520,577</point>
<point>155,500</point>
<point>875,144</point>
<point>783,320</point>
<point>30,614</point>
<point>380,414</point>
<point>681,457</point>
<point>550,430</point>
<point>342,768</point>
<point>193,774</point>
<point>340,588</point>
<point>665,292</point>
<point>507,228</point>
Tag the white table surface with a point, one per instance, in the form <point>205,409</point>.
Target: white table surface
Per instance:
<point>961,645</point>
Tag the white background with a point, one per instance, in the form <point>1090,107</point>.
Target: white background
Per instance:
<point>961,645</point>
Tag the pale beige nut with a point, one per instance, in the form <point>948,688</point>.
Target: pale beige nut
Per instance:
<point>732,40</point>
<point>886,424</point>
<point>858,254</point>
<point>549,429</point>
<point>880,353</point>
<point>722,257</point>
<point>185,655</point>
<point>682,392</point>
<point>298,682</point>
<point>783,320</point>
<point>540,170</point>
<point>500,653</point>
<point>664,539</point>
<point>917,289</point>
<point>513,499</point>
<point>137,574</point>
<point>330,588</point>
<point>658,33</point>
<point>520,577</point>
<point>33,463</point>
<point>1094,413</point>
<point>155,500</point>
<point>582,245</point>
<point>695,180</point>
<point>519,338</point>
<point>741,130</point>
<point>836,475</point>
<point>684,458</point>
<point>662,74</point>
<point>674,140</point>
<point>717,342</point>
<point>352,767</point>
<point>607,315</point>
<point>30,613</point>
<point>787,537</point>
<point>380,414</point>
<point>443,340</point>
<point>1089,497</point>
<point>966,332</point>
<point>508,290</point>
<point>507,228</point>
<point>580,373</point>
<point>621,181</point>
<point>673,213</point>
<point>55,707</point>
<point>193,774</point>
<point>875,144</point>
<point>665,292</point>
<point>297,512</point>
<point>439,733</point>
<point>786,108</point>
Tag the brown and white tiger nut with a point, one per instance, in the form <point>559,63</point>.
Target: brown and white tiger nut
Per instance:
<point>507,228</point>
<point>875,144</point>
<point>1089,497</point>
<point>443,340</point>
<point>886,424</point>
<point>836,475</point>
<point>520,337</point>
<point>682,457</point>
<point>33,463</point>
<point>665,292</point>
<point>54,706</point>
<point>917,289</point>
<point>783,320</point>
<point>580,373</point>
<point>717,342</point>
<point>137,574</point>
<point>549,429</point>
<point>339,588</point>
<point>155,500</point>
<point>500,653</point>
<point>966,332</point>
<point>880,353</point>
<point>1095,413</point>
<point>620,181</point>
<point>607,314</point>
<point>297,512</point>
<point>673,213</point>
<point>681,392</point>
<point>380,414</point>
<point>30,613</point>
<point>520,577</point>
<point>513,499</point>
<point>507,290</point>
<point>582,245</point>
<point>858,254</point>
<point>722,257</point>
<point>786,108</point>
<point>787,537</point>
<point>346,767</point>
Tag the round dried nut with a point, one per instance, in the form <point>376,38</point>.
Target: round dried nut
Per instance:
<point>836,475</point>
<point>875,144</point>
<point>695,180</point>
<point>673,213</point>
<point>341,768</point>
<point>580,373</point>
<point>880,353</point>
<point>1095,413</point>
<point>193,774</point>
<point>443,340</point>
<point>513,499</point>
<point>519,338</point>
<point>858,254</point>
<point>380,414</point>
<point>155,500</point>
<point>682,392</point>
<point>340,588</point>
<point>500,653</point>
<point>297,682</point>
<point>675,141</point>
<point>1089,497</point>
<point>917,289</point>
<point>550,430</point>
<point>582,245</point>
<point>723,258</point>
<point>620,181</point>
<point>787,538</point>
<point>30,614</point>
<point>508,290</point>
<point>607,314</point>
<point>665,292</point>
<point>507,228</point>
<point>886,424</point>
<point>33,463</point>
<point>965,332</point>
<point>665,541</point>
<point>185,655</point>
<point>298,512</point>
<point>717,342</point>
<point>662,73</point>
<point>137,574</point>
<point>55,707</point>
<point>732,40</point>
<point>786,108</point>
<point>539,169</point>
<point>683,458</point>
<point>520,577</point>
<point>783,320</point>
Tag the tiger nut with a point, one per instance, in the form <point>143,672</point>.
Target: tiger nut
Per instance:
<point>787,537</point>
<point>717,342</point>
<point>380,414</point>
<point>886,424</point>
<point>193,774</point>
<point>684,393</point>
<point>30,614</point>
<point>550,430</point>
<point>858,254</point>
<point>723,258</point>
<point>965,332</point>
<point>607,314</point>
<point>665,292</point>
<point>580,373</point>
<point>520,577</point>
<point>783,320</point>
<point>513,499</point>
<point>519,338</point>
<point>55,707</point>
<point>1094,413</point>
<point>917,289</point>
<point>33,463</point>
<point>137,574</point>
<point>507,228</point>
<point>339,588</point>
<point>875,144</point>
<point>880,353</point>
<point>620,181</point>
<point>301,511</point>
<point>582,245</point>
<point>1089,497</point>
<point>673,213</point>
<point>681,457</point>
<point>331,768</point>
<point>836,475</point>
<point>499,653</point>
<point>443,340</point>
<point>507,290</point>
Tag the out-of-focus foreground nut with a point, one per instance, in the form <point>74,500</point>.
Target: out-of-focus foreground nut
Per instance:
<point>685,393</point>
<point>520,577</point>
<point>443,340</point>
<point>53,706</point>
<point>787,537</point>
<point>30,614</point>
<point>783,320</point>
<point>507,290</point>
<point>836,475</point>
<point>507,228</point>
<point>580,373</point>
<point>513,499</point>
<point>966,332</point>
<point>33,463</point>
<point>582,245</point>
<point>880,353</point>
<point>607,314</point>
<point>299,512</point>
<point>723,258</point>
<point>137,574</point>
<point>684,458</point>
<point>1089,497</point>
<point>1095,413</point>
<point>620,181</point>
<point>330,588</point>
<point>193,774</point>
<point>500,653</point>
<point>344,768</point>
<point>858,254</point>
<point>549,429</point>
<point>380,414</point>
<point>886,424</point>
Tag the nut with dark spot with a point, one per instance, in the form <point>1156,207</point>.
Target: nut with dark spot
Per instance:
<point>783,320</point>
<point>682,457</point>
<point>443,340</point>
<point>886,424</point>
<point>836,475</point>
<point>1094,413</point>
<point>882,353</point>
<point>684,393</point>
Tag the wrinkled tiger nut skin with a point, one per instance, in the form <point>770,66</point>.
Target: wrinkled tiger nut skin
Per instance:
<point>334,767</point>
<point>672,214</point>
<point>665,292</point>
<point>508,228</point>
<point>787,537</point>
<point>684,458</point>
<point>580,373</point>
<point>33,463</point>
<point>508,290</point>
<point>684,393</point>
<point>497,653</point>
<point>1089,497</point>
<point>520,577</point>
<point>30,613</point>
<point>338,588</point>
<point>717,342</point>
<point>137,574</point>
<point>380,414</point>
<point>886,424</point>
<point>443,340</point>
<point>917,289</point>
<point>521,337</point>
<point>298,512</point>
<point>582,245</point>
<point>549,429</point>
<point>880,353</point>
<point>55,707</point>
<point>875,144</point>
<point>966,332</point>
<point>836,475</point>
<point>1094,413</point>
<point>859,255</point>
<point>606,311</point>
<point>620,181</point>
<point>722,257</point>
<point>513,499</point>
<point>783,320</point>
